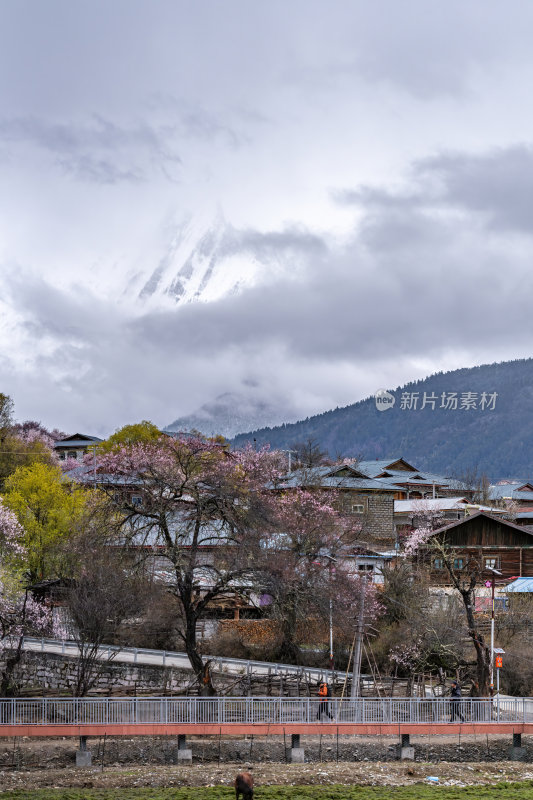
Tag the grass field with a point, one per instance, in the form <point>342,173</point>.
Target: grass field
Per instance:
<point>500,791</point>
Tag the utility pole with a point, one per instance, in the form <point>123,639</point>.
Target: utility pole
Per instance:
<point>93,448</point>
<point>331,569</point>
<point>290,452</point>
<point>356,680</point>
<point>330,623</point>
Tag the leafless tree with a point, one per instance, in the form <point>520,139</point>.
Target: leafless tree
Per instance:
<point>104,595</point>
<point>464,581</point>
<point>474,484</point>
<point>308,454</point>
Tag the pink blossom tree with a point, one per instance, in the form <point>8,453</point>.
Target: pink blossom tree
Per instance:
<point>202,511</point>
<point>22,443</point>
<point>19,613</point>
<point>221,529</point>
<point>307,566</point>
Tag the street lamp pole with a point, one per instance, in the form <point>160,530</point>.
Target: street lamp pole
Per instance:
<point>494,573</point>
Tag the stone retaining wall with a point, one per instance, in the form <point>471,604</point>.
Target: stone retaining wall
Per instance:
<point>40,673</point>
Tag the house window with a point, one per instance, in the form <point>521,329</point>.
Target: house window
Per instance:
<point>62,456</point>
<point>458,563</point>
<point>366,567</point>
<point>72,454</point>
<point>438,563</point>
<point>136,500</point>
<point>358,508</point>
<point>493,562</point>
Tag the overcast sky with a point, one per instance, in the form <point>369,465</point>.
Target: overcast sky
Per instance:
<point>376,157</point>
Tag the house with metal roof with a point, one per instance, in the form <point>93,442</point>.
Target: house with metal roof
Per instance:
<point>524,517</point>
<point>371,501</point>
<point>75,446</point>
<point>408,514</point>
<point>410,482</point>
<point>519,492</point>
<point>519,586</point>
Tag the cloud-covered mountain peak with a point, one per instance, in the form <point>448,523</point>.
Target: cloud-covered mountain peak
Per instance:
<point>232,412</point>
<point>207,259</point>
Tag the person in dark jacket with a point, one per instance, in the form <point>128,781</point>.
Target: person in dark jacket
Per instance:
<point>455,700</point>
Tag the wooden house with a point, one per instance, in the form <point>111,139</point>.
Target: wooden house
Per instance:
<point>492,542</point>
<point>516,492</point>
<point>370,501</point>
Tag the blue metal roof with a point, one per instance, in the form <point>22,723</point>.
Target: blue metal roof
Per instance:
<point>520,585</point>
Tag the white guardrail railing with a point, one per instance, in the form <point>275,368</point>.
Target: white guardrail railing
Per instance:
<point>259,710</point>
<point>166,658</point>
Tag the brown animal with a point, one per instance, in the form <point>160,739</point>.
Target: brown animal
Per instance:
<point>244,784</point>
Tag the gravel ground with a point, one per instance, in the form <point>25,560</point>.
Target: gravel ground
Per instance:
<point>34,763</point>
<point>367,774</point>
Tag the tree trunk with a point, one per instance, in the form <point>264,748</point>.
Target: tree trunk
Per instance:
<point>201,670</point>
<point>288,651</point>
<point>7,687</point>
<point>482,651</point>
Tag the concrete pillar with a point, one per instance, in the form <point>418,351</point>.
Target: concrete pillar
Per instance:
<point>516,751</point>
<point>405,751</point>
<point>84,757</point>
<point>297,753</point>
<point>184,753</point>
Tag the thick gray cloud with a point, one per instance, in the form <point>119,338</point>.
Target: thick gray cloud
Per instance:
<point>376,308</point>
<point>497,184</point>
<point>299,203</point>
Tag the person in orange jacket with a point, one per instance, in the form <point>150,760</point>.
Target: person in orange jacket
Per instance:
<point>324,693</point>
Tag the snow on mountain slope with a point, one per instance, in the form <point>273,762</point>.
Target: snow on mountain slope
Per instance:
<point>233,412</point>
<point>206,260</point>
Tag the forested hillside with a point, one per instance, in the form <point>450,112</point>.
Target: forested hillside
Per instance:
<point>494,435</point>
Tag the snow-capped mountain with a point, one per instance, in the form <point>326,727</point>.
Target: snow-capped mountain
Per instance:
<point>231,413</point>
<point>205,260</point>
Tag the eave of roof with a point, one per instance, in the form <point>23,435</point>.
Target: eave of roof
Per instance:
<point>365,484</point>
<point>77,439</point>
<point>470,517</point>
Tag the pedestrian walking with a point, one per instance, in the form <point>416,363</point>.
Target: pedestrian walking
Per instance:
<point>324,694</point>
<point>455,702</point>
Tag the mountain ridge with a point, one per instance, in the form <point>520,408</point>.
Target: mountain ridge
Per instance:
<point>498,441</point>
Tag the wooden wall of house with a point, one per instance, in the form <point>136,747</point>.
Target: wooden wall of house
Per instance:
<point>490,542</point>
<point>513,562</point>
<point>484,531</point>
